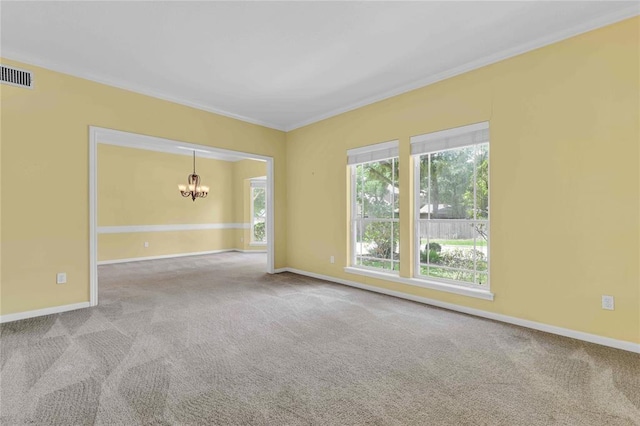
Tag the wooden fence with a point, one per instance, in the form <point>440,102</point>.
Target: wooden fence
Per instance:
<point>448,230</point>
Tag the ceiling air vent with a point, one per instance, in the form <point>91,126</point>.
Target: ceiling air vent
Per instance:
<point>16,77</point>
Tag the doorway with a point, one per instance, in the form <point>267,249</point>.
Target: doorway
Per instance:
<point>98,136</point>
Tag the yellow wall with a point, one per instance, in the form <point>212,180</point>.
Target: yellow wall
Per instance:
<point>564,180</point>
<point>131,245</point>
<point>45,146</point>
<point>139,187</point>
<point>243,172</point>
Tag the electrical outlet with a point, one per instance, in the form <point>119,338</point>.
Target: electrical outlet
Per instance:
<point>146,244</point>
<point>242,239</point>
<point>607,302</point>
<point>332,259</point>
<point>61,278</point>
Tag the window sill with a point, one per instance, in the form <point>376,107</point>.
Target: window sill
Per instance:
<point>432,285</point>
<point>258,244</point>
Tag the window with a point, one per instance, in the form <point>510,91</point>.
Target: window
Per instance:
<point>452,205</point>
<point>375,232</point>
<point>258,211</point>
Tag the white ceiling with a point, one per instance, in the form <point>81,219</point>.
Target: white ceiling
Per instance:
<point>284,64</point>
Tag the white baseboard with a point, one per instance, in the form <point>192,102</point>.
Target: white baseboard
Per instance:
<point>249,251</point>
<point>41,312</point>
<point>163,256</point>
<point>579,335</point>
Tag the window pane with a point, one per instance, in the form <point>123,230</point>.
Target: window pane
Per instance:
<point>451,274</point>
<point>453,216</point>
<point>378,189</point>
<point>259,202</point>
<point>454,240</point>
<point>375,225</point>
<point>482,181</point>
<point>451,185</point>
<point>396,190</point>
<point>396,246</point>
<point>481,239</point>
<point>482,278</point>
<point>258,221</point>
<point>452,250</point>
<point>452,233</point>
<point>425,205</point>
<point>429,251</point>
<point>377,244</point>
<point>259,230</point>
<point>357,233</point>
<point>359,192</point>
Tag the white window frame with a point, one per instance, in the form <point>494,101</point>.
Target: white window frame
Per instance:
<point>262,184</point>
<point>459,137</point>
<point>355,157</point>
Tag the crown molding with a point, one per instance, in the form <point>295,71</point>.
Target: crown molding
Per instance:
<point>582,28</point>
<point>65,69</point>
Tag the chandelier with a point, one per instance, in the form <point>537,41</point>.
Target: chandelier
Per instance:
<point>194,189</point>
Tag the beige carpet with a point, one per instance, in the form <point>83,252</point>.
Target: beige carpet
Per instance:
<point>213,340</point>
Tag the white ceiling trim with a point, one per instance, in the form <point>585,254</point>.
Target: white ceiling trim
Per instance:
<point>599,22</point>
<point>487,60</point>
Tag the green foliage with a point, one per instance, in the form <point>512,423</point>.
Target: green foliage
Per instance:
<point>482,185</point>
<point>376,185</point>
<point>379,235</point>
<point>432,251</point>
<point>434,257</point>
<point>461,258</point>
<point>433,246</point>
<point>259,232</point>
